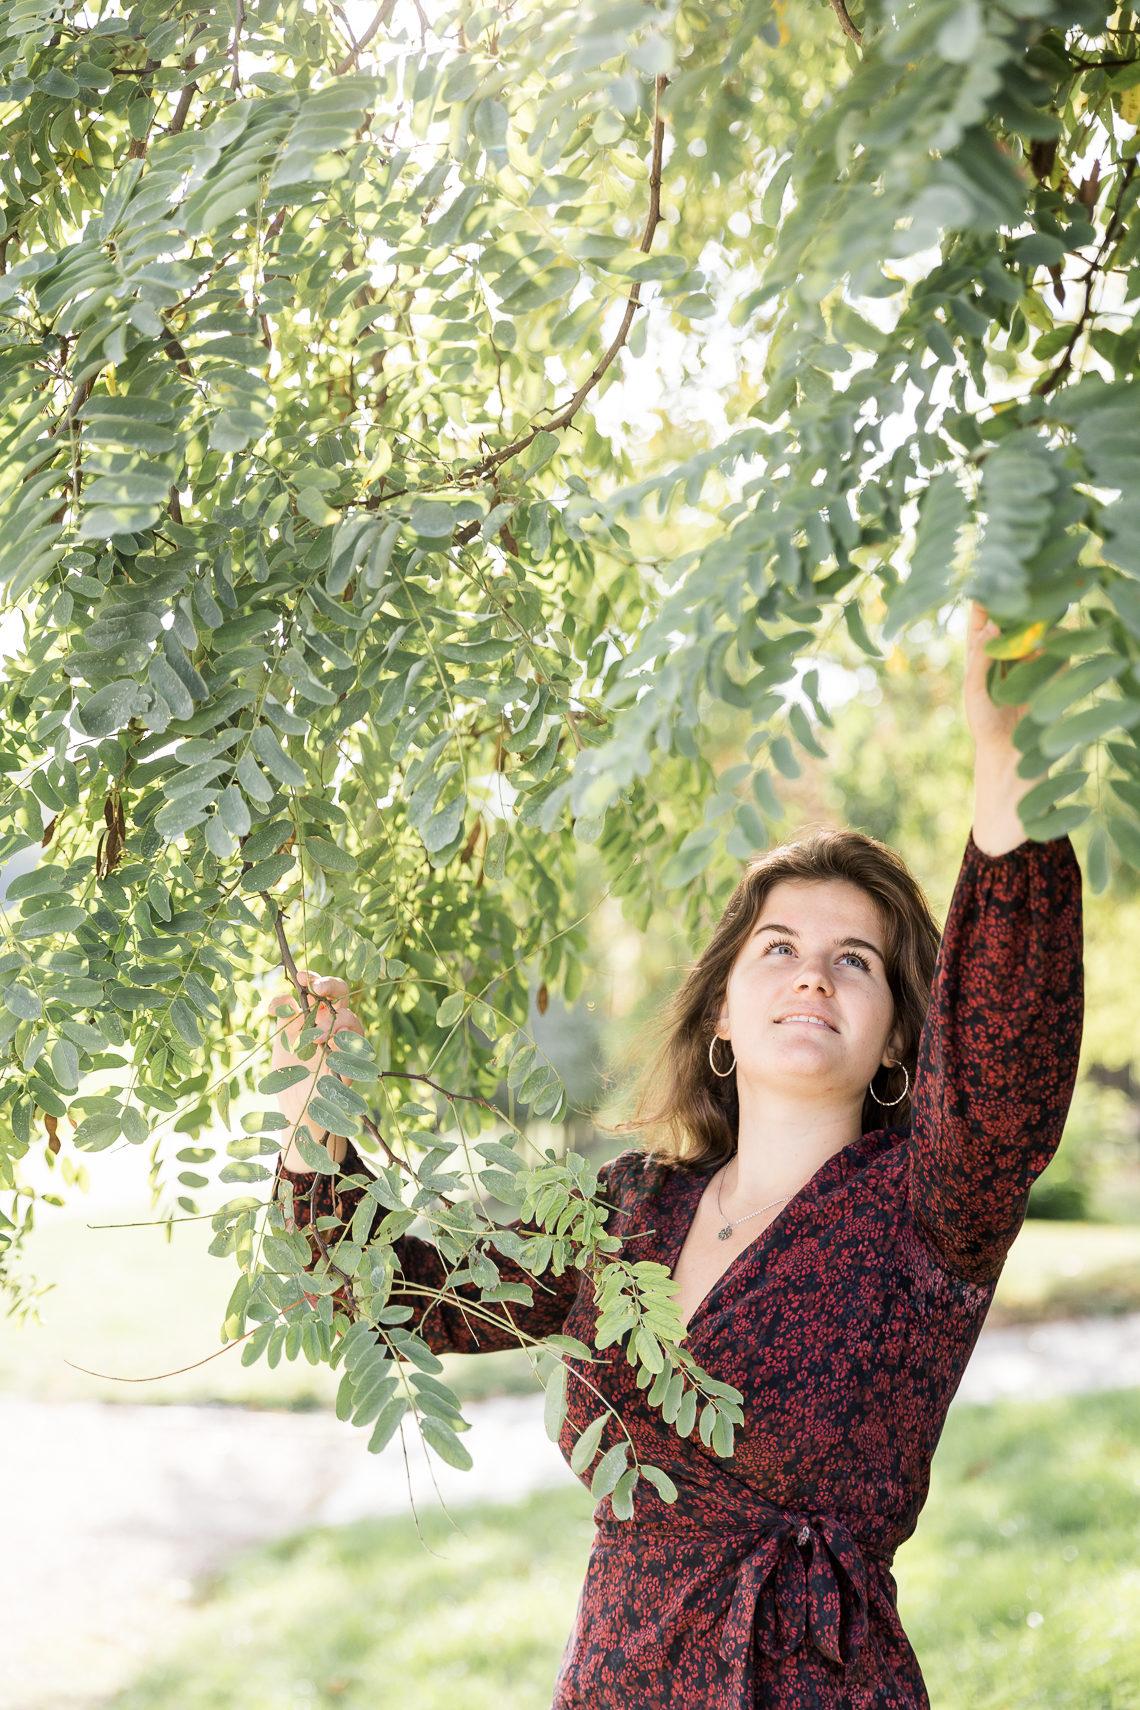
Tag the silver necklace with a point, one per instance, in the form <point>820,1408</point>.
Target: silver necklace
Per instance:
<point>723,1234</point>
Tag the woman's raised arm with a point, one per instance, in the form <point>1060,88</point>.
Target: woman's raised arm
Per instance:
<point>466,1325</point>
<point>997,1060</point>
<point>469,1326</point>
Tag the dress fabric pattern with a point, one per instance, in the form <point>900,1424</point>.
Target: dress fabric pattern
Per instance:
<point>846,1324</point>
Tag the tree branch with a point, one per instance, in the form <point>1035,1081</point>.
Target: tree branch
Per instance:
<point>378,22</point>
<point>850,30</point>
<point>1057,373</point>
<point>478,471</point>
<point>235,45</point>
<point>180,112</point>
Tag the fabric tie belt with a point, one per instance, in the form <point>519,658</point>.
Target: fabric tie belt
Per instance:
<point>796,1575</point>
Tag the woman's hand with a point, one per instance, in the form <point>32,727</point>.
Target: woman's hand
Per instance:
<point>998,788</point>
<point>991,726</point>
<point>332,1015</point>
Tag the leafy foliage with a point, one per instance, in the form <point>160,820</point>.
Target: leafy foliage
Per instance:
<point>338,637</point>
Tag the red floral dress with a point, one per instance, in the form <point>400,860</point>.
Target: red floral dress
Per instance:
<point>846,1324</point>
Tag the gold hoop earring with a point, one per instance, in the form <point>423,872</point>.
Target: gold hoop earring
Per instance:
<point>902,1095</point>
<point>723,1073</point>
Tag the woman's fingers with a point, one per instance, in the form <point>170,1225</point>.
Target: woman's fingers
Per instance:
<point>324,985</point>
<point>330,1019</point>
<point>327,988</point>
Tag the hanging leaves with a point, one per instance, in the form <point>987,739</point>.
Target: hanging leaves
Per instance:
<point>346,614</point>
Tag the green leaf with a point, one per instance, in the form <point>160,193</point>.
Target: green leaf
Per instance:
<point>609,1470</point>
<point>314,1154</point>
<point>311,505</point>
<point>432,519</point>
<point>96,1133</point>
<point>112,707</point>
<point>660,1481</point>
<point>1073,684</point>
<point>554,1410</point>
<point>445,1443</point>
<point>1080,729</point>
<point>686,1414</point>
<point>649,1350</point>
<point>1125,833</point>
<point>329,856</point>
<point>263,875</point>
<point>386,1424</point>
<point>345,1098</point>
<point>65,1064</point>
<point>450,1009</point>
<point>722,1436</point>
<point>275,760</point>
<point>328,1115</point>
<point>444,826</point>
<point>65,918</point>
<point>169,685</point>
<point>586,1446</point>
<point>233,811</point>
<point>135,1126</point>
<point>21,1002</point>
<point>278,1080</point>
<point>622,1499</point>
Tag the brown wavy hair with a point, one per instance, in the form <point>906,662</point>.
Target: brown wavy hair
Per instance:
<point>684,1113</point>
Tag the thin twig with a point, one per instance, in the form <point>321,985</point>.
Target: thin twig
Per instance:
<point>478,471</point>
<point>850,30</point>
<point>377,23</point>
<point>235,46</point>
<point>1065,361</point>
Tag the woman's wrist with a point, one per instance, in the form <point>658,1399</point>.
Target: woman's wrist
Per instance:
<point>997,790</point>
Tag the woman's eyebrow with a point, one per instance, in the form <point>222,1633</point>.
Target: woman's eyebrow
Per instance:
<point>774,926</point>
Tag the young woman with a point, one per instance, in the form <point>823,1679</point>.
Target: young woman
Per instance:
<point>846,1118</point>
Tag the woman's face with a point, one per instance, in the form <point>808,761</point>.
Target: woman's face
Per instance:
<point>817,946</point>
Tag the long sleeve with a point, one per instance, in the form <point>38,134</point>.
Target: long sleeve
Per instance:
<point>445,1327</point>
<point>997,1059</point>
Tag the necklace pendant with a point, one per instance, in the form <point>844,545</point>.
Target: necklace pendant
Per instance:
<point>723,1234</point>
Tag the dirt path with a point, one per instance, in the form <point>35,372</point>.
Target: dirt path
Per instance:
<point>115,1511</point>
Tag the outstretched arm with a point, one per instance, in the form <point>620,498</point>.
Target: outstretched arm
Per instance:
<point>997,1061</point>
<point>467,1325</point>
<point>464,1323</point>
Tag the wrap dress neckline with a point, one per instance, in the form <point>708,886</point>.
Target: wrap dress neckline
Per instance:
<point>688,1188</point>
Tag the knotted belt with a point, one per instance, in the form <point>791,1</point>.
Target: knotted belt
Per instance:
<point>797,1575</point>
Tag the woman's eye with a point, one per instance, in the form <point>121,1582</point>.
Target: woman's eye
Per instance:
<point>786,944</point>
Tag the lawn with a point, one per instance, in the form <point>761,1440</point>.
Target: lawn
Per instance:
<point>1020,1589</point>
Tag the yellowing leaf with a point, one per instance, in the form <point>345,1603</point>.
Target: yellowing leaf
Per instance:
<point>1017,645</point>
<point>1129,107</point>
<point>379,463</point>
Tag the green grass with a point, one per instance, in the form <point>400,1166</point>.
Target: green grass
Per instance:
<point>128,1303</point>
<point>1020,1589</point>
<point>1063,1269</point>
